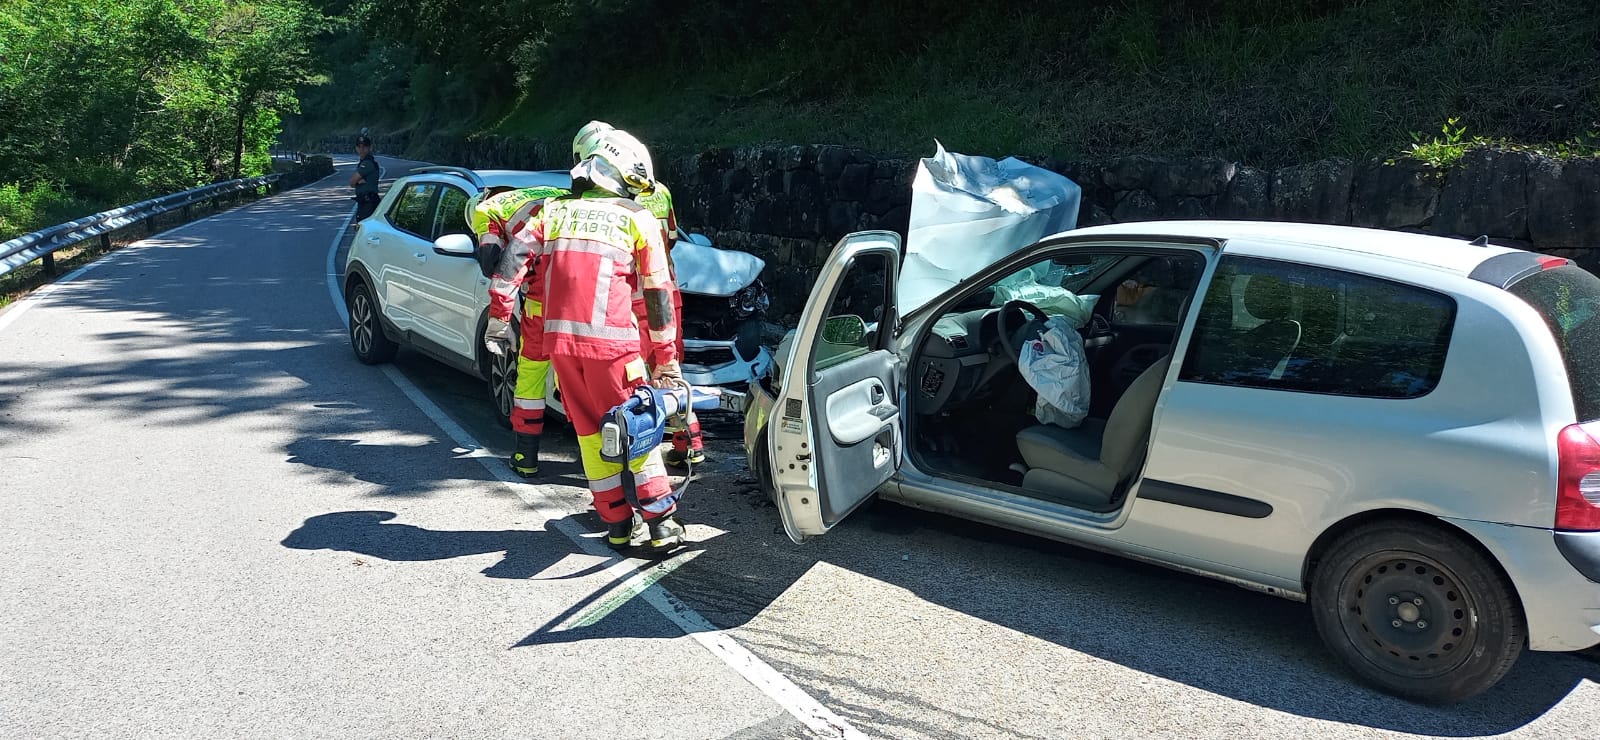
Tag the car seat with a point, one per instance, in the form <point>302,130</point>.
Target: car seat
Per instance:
<point>1087,465</point>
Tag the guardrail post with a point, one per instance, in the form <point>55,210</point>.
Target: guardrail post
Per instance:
<point>105,242</point>
<point>50,263</point>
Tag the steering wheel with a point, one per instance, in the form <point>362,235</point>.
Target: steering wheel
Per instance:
<point>1010,338</point>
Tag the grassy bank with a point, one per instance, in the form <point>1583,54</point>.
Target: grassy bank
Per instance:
<point>1252,80</point>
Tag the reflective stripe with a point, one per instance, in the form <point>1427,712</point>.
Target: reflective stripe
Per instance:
<point>575,328</point>
<point>602,292</point>
<point>586,246</point>
<point>529,404</point>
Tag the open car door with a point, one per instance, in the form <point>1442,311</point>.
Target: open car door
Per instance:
<point>835,434</point>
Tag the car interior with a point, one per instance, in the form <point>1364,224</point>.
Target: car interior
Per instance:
<point>973,414</point>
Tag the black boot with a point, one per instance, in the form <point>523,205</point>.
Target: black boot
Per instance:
<point>525,461</point>
<point>620,535</point>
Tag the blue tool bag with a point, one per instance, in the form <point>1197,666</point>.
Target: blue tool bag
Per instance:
<point>633,429</point>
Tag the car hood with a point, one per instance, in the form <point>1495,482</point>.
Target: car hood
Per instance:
<point>969,212</point>
<point>706,270</point>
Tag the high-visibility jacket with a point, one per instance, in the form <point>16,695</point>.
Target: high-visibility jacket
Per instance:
<point>497,220</point>
<point>605,276</point>
<point>659,201</point>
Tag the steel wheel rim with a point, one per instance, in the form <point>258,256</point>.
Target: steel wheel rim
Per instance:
<point>502,369</point>
<point>1408,614</point>
<point>361,324</point>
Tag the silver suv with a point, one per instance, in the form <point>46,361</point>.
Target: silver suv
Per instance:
<point>1400,429</point>
<point>411,279</point>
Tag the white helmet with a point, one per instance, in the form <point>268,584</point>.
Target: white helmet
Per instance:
<point>619,164</point>
<point>583,145</point>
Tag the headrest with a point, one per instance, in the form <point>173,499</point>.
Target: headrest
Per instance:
<point>1268,297</point>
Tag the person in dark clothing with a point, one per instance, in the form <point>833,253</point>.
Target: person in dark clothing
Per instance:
<point>365,180</point>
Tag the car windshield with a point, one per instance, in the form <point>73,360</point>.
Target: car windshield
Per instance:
<point>1569,300</point>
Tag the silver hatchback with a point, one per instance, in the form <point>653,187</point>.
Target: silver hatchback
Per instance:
<point>1400,429</point>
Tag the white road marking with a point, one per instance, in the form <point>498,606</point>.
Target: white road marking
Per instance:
<point>775,685</point>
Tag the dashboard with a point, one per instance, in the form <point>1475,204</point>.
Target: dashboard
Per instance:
<point>955,360</point>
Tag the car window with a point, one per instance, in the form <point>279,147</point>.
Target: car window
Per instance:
<point>863,293</point>
<point>1569,300</point>
<point>1155,291</point>
<point>1285,326</point>
<point>450,217</point>
<point>411,211</point>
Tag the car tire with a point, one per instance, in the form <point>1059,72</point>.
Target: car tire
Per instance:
<point>1417,611</point>
<point>371,345</point>
<point>502,376</point>
<point>761,468</point>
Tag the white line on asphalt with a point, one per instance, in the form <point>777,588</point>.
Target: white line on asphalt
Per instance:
<point>629,585</point>
<point>775,685</point>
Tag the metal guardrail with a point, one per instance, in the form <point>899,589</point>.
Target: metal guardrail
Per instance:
<point>45,242</point>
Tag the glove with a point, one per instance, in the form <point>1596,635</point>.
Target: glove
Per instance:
<point>668,374</point>
<point>497,337</point>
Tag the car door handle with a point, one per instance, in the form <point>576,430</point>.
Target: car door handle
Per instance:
<point>421,257</point>
<point>877,394</point>
<point>374,240</point>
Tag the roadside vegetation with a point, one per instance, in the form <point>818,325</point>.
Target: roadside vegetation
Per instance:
<point>107,102</point>
<point>1267,82</point>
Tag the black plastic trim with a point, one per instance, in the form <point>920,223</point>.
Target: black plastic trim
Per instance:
<point>1203,498</point>
<point>1504,270</point>
<point>1582,550</point>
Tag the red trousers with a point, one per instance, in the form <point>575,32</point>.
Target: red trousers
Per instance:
<point>589,390</point>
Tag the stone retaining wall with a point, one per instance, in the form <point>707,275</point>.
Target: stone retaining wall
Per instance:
<point>789,204</point>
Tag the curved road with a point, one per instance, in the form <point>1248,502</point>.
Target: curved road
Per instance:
<point>216,522</point>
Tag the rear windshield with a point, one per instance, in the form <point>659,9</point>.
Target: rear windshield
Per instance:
<point>1569,299</point>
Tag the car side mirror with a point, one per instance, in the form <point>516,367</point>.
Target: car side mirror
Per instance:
<point>455,245</point>
<point>848,329</point>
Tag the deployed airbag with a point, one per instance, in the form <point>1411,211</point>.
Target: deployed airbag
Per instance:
<point>1058,370</point>
<point>968,212</point>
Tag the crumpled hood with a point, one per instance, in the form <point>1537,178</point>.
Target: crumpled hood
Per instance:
<point>706,270</point>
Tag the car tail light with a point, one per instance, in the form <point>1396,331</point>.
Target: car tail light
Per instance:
<point>1578,494</point>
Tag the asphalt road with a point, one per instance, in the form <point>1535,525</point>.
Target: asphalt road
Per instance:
<point>216,522</point>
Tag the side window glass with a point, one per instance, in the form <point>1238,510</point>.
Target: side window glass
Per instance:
<point>449,217</point>
<point>1270,324</point>
<point>856,313</point>
<point>1154,293</point>
<point>411,210</point>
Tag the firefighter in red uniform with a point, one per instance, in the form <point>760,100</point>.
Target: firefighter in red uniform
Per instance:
<point>605,273</point>
<point>497,218</point>
<point>688,445</point>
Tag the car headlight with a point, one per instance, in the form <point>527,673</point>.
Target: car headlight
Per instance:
<point>750,300</point>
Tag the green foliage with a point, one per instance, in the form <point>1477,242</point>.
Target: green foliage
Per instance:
<point>1262,81</point>
<point>28,208</point>
<point>1447,148</point>
<point>108,101</point>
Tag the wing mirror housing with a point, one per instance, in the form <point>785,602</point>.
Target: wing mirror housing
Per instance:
<point>455,245</point>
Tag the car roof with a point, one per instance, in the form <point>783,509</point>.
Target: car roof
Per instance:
<point>507,178</point>
<point>1456,256</point>
<point>525,178</point>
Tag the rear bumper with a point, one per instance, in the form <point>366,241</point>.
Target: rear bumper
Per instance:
<point>1561,603</point>
<point>1582,550</point>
